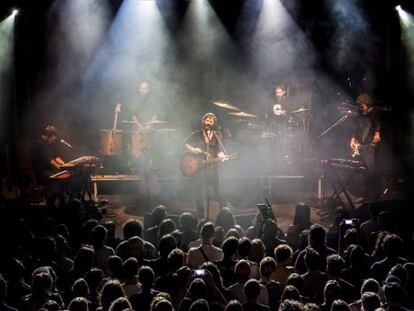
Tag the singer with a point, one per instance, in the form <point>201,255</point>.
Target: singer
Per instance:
<point>206,143</point>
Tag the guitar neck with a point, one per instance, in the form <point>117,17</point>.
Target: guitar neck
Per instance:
<point>117,110</point>
<point>215,160</point>
<point>115,121</point>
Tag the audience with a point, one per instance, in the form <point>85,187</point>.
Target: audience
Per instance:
<point>56,263</point>
<point>314,278</point>
<point>274,289</point>
<point>158,214</point>
<point>252,291</point>
<point>131,285</point>
<point>227,264</point>
<point>335,264</point>
<point>392,247</point>
<point>272,236</point>
<point>188,226</point>
<point>206,251</point>
<point>243,271</point>
<point>301,221</point>
<point>97,239</point>
<point>316,241</point>
<point>3,294</point>
<point>283,254</point>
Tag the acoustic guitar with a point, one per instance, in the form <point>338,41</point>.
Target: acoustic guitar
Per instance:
<point>191,164</point>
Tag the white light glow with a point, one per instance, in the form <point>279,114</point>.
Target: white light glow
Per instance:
<point>14,12</point>
<point>406,19</point>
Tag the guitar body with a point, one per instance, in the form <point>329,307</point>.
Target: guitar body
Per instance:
<point>190,164</point>
<point>361,149</point>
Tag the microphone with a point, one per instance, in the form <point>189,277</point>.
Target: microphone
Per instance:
<point>65,143</point>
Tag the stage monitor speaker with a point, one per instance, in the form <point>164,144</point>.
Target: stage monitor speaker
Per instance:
<point>245,220</point>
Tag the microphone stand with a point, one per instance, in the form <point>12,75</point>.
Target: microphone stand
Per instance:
<point>334,125</point>
<point>207,175</point>
<point>220,142</point>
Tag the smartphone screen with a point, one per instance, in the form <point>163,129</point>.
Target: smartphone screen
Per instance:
<point>200,272</point>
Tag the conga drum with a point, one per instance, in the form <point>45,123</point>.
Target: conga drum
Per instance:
<point>111,142</point>
<point>136,143</point>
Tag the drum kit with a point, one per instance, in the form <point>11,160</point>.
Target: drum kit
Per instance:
<point>280,119</point>
<point>281,133</point>
<point>143,142</point>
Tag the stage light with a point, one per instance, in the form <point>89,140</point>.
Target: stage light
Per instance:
<point>406,19</point>
<point>407,39</point>
<point>14,12</point>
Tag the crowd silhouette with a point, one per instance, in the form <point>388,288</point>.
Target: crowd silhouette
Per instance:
<point>67,260</point>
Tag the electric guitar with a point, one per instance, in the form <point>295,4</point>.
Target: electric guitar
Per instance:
<point>358,148</point>
<point>190,163</point>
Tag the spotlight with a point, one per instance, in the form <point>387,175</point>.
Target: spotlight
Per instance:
<point>14,12</point>
<point>406,18</point>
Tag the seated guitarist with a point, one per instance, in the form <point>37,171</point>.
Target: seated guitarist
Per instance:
<point>366,135</point>
<point>206,143</point>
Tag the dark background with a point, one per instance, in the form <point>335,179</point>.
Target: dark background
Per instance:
<point>190,75</point>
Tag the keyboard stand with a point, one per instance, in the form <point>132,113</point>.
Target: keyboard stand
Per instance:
<point>340,184</point>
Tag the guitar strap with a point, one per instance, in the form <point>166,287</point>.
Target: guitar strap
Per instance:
<point>203,253</point>
<point>366,133</point>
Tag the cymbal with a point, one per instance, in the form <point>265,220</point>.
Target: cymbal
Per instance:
<point>225,105</point>
<point>155,122</point>
<point>243,114</point>
<point>302,109</point>
<point>165,130</point>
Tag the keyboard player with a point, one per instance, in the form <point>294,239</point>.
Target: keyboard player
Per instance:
<point>47,154</point>
<point>48,159</point>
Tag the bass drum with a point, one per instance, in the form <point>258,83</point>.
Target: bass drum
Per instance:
<point>111,142</point>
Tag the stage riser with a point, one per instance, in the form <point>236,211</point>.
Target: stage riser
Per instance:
<point>242,191</point>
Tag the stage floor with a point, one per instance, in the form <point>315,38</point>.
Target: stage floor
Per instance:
<point>122,207</point>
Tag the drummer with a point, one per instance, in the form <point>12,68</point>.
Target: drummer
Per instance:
<point>142,104</point>
<point>279,107</point>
